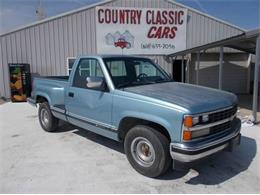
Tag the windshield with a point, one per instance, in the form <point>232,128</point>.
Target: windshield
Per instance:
<point>128,72</point>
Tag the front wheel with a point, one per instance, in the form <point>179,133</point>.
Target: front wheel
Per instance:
<point>47,121</point>
<point>147,150</point>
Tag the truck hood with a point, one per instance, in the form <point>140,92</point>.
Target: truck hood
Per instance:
<point>194,98</point>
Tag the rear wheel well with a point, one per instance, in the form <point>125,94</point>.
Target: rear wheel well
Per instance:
<point>41,99</point>
<point>129,122</point>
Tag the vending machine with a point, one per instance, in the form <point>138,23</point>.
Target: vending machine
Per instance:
<point>20,82</point>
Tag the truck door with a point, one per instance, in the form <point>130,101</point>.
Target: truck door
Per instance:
<point>89,106</point>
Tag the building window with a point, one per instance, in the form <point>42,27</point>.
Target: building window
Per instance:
<point>70,62</point>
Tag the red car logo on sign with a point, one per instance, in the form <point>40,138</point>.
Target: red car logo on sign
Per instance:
<point>122,43</point>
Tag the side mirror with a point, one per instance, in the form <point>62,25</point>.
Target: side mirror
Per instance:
<point>97,83</point>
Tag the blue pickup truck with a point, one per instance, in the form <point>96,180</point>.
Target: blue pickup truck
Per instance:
<point>134,101</point>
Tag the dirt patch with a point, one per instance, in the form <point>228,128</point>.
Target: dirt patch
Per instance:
<point>15,135</point>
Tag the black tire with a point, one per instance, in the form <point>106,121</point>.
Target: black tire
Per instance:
<point>52,123</point>
<point>160,145</point>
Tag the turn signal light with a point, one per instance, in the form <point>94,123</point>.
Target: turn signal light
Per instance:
<point>188,121</point>
<point>186,135</point>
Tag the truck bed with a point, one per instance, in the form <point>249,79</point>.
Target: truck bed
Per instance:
<point>51,87</point>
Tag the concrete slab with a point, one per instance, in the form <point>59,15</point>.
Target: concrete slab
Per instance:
<point>77,161</point>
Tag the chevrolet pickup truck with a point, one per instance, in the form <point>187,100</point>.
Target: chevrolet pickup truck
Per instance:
<point>134,101</point>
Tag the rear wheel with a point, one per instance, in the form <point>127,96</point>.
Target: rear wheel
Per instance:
<point>47,121</point>
<point>147,150</point>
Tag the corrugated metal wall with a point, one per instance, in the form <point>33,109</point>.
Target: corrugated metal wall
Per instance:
<point>47,45</point>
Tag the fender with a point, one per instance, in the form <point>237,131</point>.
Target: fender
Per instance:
<point>45,95</point>
<point>149,117</point>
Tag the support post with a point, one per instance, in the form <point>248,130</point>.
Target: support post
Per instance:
<point>248,73</point>
<point>188,70</point>
<point>220,73</point>
<point>182,69</point>
<point>256,79</point>
<point>197,67</point>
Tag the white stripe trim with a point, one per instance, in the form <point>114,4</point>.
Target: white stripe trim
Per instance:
<point>57,109</point>
<point>69,114</point>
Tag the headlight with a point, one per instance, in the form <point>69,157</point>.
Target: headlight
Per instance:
<point>205,118</point>
<point>189,135</point>
<point>190,121</point>
<point>200,133</point>
<point>195,120</point>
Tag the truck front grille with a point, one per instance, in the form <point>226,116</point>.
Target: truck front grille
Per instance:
<point>219,122</point>
<point>221,115</point>
<point>220,127</point>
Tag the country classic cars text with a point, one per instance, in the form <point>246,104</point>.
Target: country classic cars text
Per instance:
<point>163,23</point>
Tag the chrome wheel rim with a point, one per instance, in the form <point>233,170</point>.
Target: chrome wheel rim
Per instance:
<point>45,117</point>
<point>142,151</point>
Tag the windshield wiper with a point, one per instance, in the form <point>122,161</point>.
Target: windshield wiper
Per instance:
<point>123,85</point>
<point>163,80</point>
<point>132,84</point>
<point>147,82</point>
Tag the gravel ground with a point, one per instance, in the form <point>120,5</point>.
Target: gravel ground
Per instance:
<point>76,161</point>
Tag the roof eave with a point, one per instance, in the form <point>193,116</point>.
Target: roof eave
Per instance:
<point>225,42</point>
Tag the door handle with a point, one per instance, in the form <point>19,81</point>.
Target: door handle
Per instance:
<point>71,94</point>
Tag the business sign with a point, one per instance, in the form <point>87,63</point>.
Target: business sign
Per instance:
<point>125,30</point>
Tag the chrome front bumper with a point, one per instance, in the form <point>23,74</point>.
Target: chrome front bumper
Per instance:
<point>191,151</point>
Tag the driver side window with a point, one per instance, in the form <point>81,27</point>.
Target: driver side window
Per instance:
<point>87,67</point>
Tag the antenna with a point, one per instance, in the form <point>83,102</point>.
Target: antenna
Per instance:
<point>40,12</point>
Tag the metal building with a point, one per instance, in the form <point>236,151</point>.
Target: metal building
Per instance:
<point>48,44</point>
